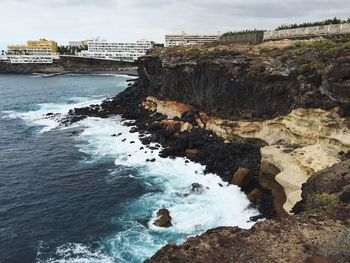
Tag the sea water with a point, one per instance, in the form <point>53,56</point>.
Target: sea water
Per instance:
<point>77,194</point>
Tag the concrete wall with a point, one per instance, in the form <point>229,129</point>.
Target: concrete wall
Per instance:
<point>246,37</point>
<point>305,32</point>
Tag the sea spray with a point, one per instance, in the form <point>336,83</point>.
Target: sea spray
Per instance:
<point>163,183</point>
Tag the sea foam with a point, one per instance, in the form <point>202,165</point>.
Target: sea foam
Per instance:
<point>168,183</point>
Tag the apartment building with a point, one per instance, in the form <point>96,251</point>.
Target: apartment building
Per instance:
<point>85,42</point>
<point>36,51</point>
<point>34,47</point>
<point>128,52</point>
<point>184,39</point>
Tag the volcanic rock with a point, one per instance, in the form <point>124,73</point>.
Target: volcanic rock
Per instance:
<point>163,218</point>
<point>242,177</point>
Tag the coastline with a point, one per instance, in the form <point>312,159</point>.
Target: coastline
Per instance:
<point>71,65</point>
<point>180,137</point>
<point>130,73</point>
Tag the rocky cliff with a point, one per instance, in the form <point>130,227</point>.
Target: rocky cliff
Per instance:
<point>272,119</point>
<point>264,84</point>
<point>294,98</point>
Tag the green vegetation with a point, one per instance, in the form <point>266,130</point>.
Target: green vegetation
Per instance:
<point>70,50</point>
<point>332,21</point>
<point>326,48</point>
<point>322,203</point>
<point>158,45</point>
<point>243,32</point>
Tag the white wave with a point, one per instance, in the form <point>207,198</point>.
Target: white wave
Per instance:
<point>75,253</point>
<point>102,74</point>
<point>39,117</point>
<point>218,205</point>
<point>169,182</point>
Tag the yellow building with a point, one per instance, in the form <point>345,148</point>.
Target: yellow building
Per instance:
<point>34,47</point>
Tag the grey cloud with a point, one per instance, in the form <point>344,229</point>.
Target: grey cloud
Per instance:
<point>130,20</point>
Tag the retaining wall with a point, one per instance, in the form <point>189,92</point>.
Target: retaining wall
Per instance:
<point>246,37</point>
<point>306,32</point>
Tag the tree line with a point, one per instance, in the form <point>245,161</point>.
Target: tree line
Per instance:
<point>332,21</point>
<point>70,50</point>
<point>243,32</point>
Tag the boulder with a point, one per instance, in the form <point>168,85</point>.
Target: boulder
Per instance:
<point>186,127</point>
<point>255,196</point>
<point>197,188</point>
<point>163,218</point>
<point>192,153</point>
<point>242,177</point>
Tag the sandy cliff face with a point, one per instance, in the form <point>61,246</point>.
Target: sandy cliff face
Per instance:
<point>298,144</point>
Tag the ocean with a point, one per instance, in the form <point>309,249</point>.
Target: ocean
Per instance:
<point>77,194</point>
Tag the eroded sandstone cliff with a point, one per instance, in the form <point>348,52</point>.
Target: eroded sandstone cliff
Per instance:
<point>294,98</point>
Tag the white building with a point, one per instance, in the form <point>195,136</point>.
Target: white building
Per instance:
<point>75,43</point>
<point>35,59</point>
<point>35,51</point>
<point>86,42</point>
<point>184,39</point>
<point>128,52</point>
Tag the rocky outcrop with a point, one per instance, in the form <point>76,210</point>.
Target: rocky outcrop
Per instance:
<point>243,85</point>
<point>298,144</point>
<point>336,80</point>
<point>293,239</point>
<point>264,120</point>
<point>334,181</point>
<point>182,137</point>
<point>163,218</point>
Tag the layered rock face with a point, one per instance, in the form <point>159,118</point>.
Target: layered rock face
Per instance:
<point>297,105</point>
<point>298,144</point>
<point>234,85</point>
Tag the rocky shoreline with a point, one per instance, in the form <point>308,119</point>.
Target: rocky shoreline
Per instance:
<point>236,162</point>
<point>272,120</point>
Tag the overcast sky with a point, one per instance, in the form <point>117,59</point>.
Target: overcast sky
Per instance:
<point>131,20</point>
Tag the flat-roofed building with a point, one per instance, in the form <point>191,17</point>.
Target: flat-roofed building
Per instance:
<point>34,47</point>
<point>36,51</point>
<point>128,52</point>
<point>184,39</point>
<point>85,42</point>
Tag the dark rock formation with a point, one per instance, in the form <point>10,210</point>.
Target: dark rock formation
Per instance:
<point>242,177</point>
<point>293,239</point>
<point>334,181</point>
<point>163,218</point>
<point>243,85</point>
<point>336,80</point>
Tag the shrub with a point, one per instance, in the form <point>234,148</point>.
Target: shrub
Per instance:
<point>242,32</point>
<point>322,203</point>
